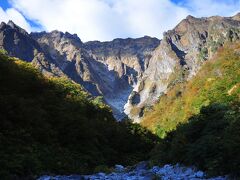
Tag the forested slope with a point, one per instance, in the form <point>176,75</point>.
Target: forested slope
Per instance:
<point>50,125</point>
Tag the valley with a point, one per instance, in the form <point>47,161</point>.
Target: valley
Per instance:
<point>164,108</point>
<point>130,74</point>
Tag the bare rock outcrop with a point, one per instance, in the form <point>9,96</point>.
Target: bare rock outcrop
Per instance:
<point>130,74</point>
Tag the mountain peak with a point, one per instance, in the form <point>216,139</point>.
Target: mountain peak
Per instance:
<point>190,17</point>
<point>2,25</point>
<point>236,17</point>
<point>56,33</point>
<point>12,24</point>
<point>113,68</point>
<point>72,36</point>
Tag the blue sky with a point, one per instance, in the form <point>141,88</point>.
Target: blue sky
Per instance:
<point>4,4</point>
<point>109,19</point>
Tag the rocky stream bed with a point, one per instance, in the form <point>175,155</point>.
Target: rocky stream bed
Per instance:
<point>142,172</point>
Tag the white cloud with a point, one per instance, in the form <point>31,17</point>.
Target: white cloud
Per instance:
<point>103,19</point>
<point>13,14</point>
<point>213,7</point>
<point>108,19</point>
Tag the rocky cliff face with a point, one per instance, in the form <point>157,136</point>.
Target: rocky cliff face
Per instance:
<point>130,74</point>
<point>179,56</point>
<point>125,61</point>
<point>108,69</point>
<point>17,42</point>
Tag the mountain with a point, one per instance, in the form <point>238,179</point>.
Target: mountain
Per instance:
<point>184,88</point>
<point>18,43</point>
<point>179,57</point>
<point>51,125</point>
<point>199,120</point>
<point>217,81</point>
<point>130,74</point>
<point>107,69</point>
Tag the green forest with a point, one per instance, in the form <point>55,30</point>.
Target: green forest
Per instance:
<point>52,126</point>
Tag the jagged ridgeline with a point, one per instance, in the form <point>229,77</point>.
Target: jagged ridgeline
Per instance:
<point>199,121</point>
<point>130,74</point>
<point>160,83</point>
<point>51,125</point>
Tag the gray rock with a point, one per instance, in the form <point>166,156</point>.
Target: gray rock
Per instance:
<point>129,73</point>
<point>119,168</point>
<point>199,174</point>
<point>100,174</point>
<point>141,165</point>
<point>166,172</point>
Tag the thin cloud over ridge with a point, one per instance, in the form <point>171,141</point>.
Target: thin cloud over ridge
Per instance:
<point>108,19</point>
<point>17,17</point>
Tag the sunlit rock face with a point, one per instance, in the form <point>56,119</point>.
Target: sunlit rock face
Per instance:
<point>129,73</point>
<point>108,69</point>
<point>125,61</point>
<point>179,56</point>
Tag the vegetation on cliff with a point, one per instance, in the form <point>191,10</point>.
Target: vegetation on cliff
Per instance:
<point>199,121</point>
<point>217,82</point>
